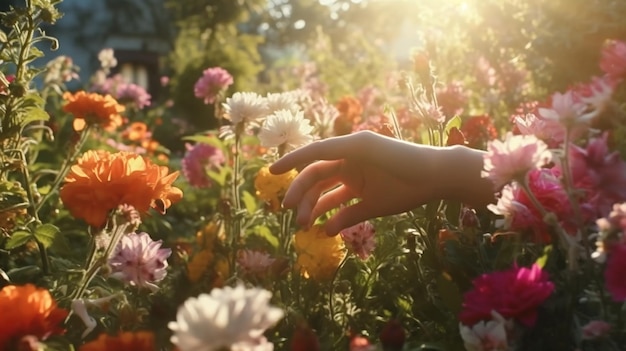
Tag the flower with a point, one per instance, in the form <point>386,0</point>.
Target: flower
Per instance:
<point>197,160</point>
<point>28,311</point>
<point>124,341</point>
<point>213,81</point>
<point>234,318</point>
<point>107,59</point>
<point>567,109</point>
<point>521,214</point>
<point>613,60</point>
<point>304,339</point>
<point>272,187</point>
<point>452,98</point>
<point>615,271</point>
<point>255,263</point>
<point>485,336</point>
<point>93,109</point>
<point>595,330</point>
<point>101,181</point>
<point>282,101</point>
<point>616,220</point>
<point>513,158</point>
<point>137,131</point>
<point>360,343</point>
<point>245,108</point>
<point>478,130</point>
<point>319,255</point>
<point>133,94</point>
<point>515,294</point>
<point>455,137</point>
<point>359,239</point>
<point>549,131</point>
<point>60,70</point>
<point>392,336</point>
<point>286,130</point>
<point>139,261</point>
<point>350,114</point>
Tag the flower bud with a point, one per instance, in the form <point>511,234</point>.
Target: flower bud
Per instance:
<point>393,336</point>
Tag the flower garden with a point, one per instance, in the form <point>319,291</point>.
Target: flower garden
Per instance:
<point>111,240</point>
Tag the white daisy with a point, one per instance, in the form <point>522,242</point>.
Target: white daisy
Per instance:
<point>286,129</point>
<point>231,318</point>
<point>282,101</point>
<point>247,108</point>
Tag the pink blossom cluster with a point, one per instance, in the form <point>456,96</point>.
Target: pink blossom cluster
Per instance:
<point>213,81</point>
<point>124,92</point>
<point>515,294</point>
<point>254,263</point>
<point>198,160</point>
<point>360,239</point>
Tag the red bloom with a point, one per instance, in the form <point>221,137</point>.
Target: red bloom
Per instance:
<point>455,137</point>
<point>515,293</point>
<point>478,130</point>
<point>615,272</point>
<point>613,61</point>
<point>392,336</point>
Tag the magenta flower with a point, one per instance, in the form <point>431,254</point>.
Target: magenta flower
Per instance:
<point>613,60</point>
<point>254,263</point>
<point>615,272</point>
<point>212,82</point>
<point>515,294</point>
<point>601,173</point>
<point>513,158</point>
<point>139,261</point>
<point>198,159</point>
<point>359,239</point>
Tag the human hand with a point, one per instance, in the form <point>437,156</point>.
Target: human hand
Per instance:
<point>387,175</point>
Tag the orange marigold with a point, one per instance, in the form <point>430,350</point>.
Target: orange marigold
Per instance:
<point>101,181</point>
<point>28,311</point>
<point>136,131</point>
<point>93,109</point>
<point>125,341</point>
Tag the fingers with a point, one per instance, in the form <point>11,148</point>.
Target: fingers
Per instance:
<point>309,178</point>
<point>331,200</point>
<point>310,199</point>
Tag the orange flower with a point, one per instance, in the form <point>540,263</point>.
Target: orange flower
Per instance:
<point>136,131</point>
<point>350,113</point>
<point>101,181</point>
<point>92,108</point>
<point>28,311</point>
<point>125,341</point>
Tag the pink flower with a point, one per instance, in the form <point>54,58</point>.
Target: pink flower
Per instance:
<point>597,93</point>
<point>551,132</point>
<point>360,343</point>
<point>452,99</point>
<point>212,82</point>
<point>616,220</point>
<point>254,263</point>
<point>198,159</point>
<point>515,294</point>
<point>360,239</point>
<point>601,173</point>
<point>615,272</point>
<point>596,329</point>
<point>139,261</point>
<point>513,158</point>
<point>613,60</point>
<point>567,109</point>
<point>133,94</point>
<point>519,212</point>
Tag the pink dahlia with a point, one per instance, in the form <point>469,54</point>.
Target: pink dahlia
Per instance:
<point>198,159</point>
<point>360,239</point>
<point>601,173</point>
<point>254,263</point>
<point>212,82</point>
<point>139,260</point>
<point>568,109</point>
<point>613,60</point>
<point>615,272</point>
<point>550,132</point>
<point>515,294</point>
<point>513,158</point>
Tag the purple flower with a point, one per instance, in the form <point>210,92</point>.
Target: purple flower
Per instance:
<point>139,261</point>
<point>197,160</point>
<point>212,82</point>
<point>134,94</point>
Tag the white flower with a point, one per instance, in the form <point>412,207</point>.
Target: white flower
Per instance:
<point>107,59</point>
<point>486,336</point>
<point>234,318</point>
<point>248,108</point>
<point>286,129</point>
<point>282,101</point>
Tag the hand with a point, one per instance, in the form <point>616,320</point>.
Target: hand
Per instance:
<point>388,176</point>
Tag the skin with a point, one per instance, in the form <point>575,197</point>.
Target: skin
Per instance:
<point>387,175</point>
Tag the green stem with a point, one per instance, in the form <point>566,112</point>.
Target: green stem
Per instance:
<point>65,168</point>
<point>331,292</point>
<point>236,198</point>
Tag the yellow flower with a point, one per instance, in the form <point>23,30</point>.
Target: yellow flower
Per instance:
<point>198,264</point>
<point>271,188</point>
<point>319,255</point>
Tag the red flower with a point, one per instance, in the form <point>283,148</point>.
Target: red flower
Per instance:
<point>304,339</point>
<point>455,137</point>
<point>478,130</point>
<point>515,293</point>
<point>392,336</point>
<point>615,272</point>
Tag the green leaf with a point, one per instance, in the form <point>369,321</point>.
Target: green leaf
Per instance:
<point>265,233</point>
<point>46,233</point>
<point>449,292</point>
<point>454,122</point>
<point>541,261</point>
<point>249,201</point>
<point>34,114</point>
<point>18,239</point>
